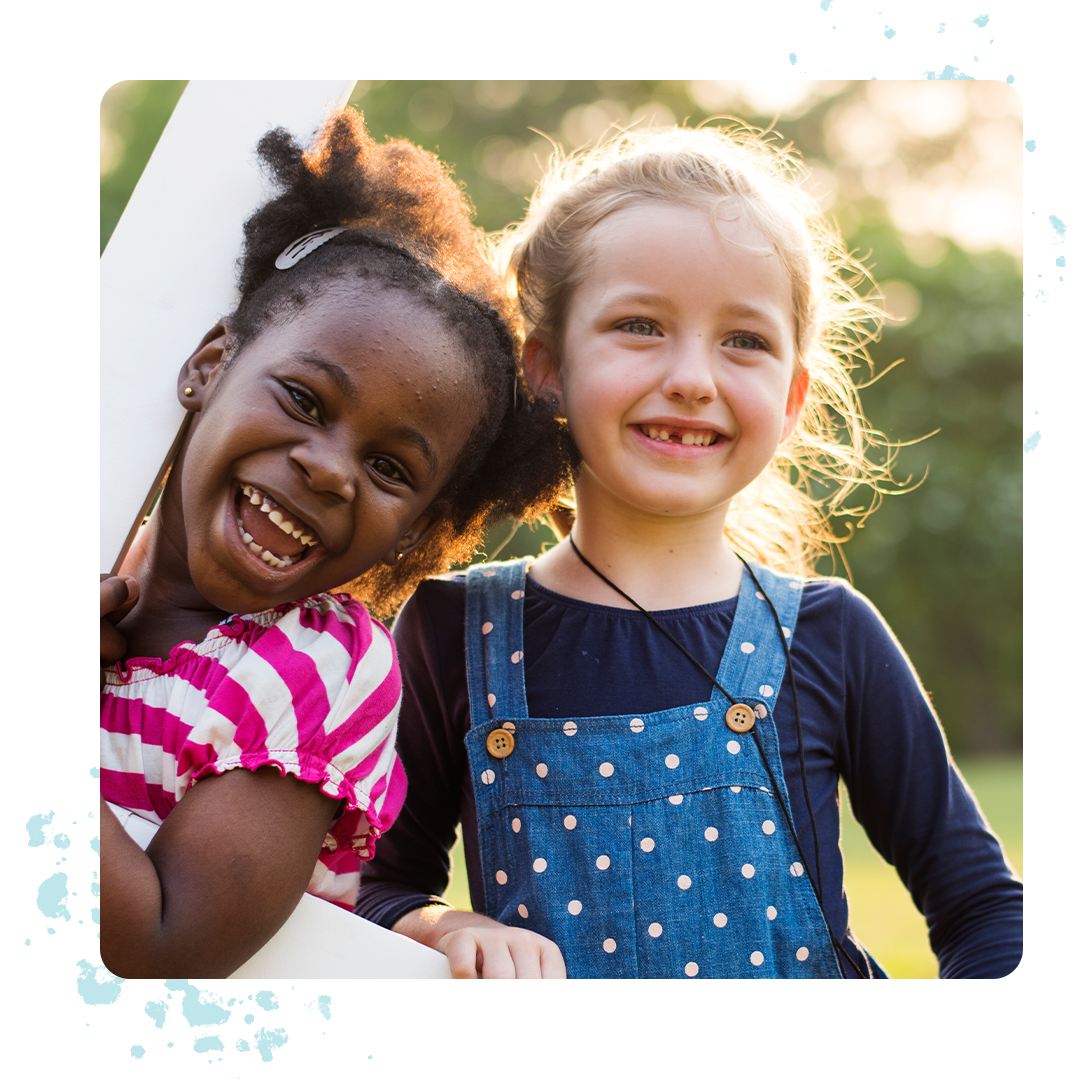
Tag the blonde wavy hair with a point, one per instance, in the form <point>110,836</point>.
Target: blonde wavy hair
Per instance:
<point>785,517</point>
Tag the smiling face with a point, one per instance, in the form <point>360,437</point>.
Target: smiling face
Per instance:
<point>677,367</point>
<point>316,453</point>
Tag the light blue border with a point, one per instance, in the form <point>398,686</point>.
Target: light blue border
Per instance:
<point>279,1029</point>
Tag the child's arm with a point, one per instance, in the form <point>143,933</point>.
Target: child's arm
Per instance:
<point>917,810</point>
<point>223,873</point>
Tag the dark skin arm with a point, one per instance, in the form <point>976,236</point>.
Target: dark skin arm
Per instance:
<point>225,870</point>
<point>221,876</point>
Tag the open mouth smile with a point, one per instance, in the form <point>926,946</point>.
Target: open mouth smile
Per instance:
<point>685,436</point>
<point>271,532</point>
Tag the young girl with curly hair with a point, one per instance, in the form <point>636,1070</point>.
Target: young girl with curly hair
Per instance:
<point>355,425</point>
<point>642,731</point>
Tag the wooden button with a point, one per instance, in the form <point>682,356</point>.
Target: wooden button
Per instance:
<point>500,743</point>
<point>740,718</point>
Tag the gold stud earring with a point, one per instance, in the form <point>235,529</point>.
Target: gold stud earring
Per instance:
<point>188,391</point>
<point>400,556</point>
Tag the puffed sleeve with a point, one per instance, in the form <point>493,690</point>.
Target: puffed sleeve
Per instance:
<point>315,693</point>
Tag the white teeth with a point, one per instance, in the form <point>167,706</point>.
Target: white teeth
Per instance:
<point>267,506</point>
<point>688,438</point>
<point>273,560</point>
<point>267,557</point>
<point>278,518</point>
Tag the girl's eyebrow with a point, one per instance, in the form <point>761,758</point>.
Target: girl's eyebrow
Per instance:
<point>750,311</point>
<point>650,298</point>
<point>339,376</point>
<point>422,444</point>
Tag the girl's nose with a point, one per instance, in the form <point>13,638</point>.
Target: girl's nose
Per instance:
<point>327,466</point>
<point>690,376</point>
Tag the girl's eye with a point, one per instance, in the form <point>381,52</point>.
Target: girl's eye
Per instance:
<point>390,469</point>
<point>641,327</point>
<point>746,341</point>
<point>305,403</point>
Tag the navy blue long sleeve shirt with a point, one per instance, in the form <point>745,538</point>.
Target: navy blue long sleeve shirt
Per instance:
<point>864,717</point>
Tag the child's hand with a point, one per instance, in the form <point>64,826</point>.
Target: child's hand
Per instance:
<point>481,948</point>
<point>118,596</point>
<point>501,952</point>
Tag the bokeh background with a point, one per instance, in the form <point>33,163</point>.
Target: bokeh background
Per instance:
<point>924,180</point>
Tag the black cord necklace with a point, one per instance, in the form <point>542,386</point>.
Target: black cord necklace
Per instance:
<point>815,884</point>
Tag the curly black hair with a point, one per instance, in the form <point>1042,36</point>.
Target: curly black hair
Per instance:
<point>409,227</point>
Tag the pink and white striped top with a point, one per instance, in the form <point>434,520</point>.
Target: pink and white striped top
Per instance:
<point>311,687</point>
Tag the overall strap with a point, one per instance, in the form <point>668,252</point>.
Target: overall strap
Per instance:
<point>754,662</point>
<point>494,640</point>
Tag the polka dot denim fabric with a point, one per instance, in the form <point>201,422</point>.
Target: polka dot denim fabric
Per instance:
<point>650,846</point>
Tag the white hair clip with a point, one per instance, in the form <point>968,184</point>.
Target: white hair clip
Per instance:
<point>306,245</point>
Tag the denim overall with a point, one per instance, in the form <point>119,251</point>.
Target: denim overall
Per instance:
<point>649,846</point>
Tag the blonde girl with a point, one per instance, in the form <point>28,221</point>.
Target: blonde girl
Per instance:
<point>642,731</point>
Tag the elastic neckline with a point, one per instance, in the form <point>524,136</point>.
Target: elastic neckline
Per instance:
<point>231,628</point>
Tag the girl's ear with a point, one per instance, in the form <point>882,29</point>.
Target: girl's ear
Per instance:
<point>795,402</point>
<point>202,366</point>
<point>410,541</point>
<point>542,370</point>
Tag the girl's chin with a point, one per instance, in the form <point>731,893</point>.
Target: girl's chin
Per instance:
<point>242,583</point>
<point>668,507</point>
<point>657,493</point>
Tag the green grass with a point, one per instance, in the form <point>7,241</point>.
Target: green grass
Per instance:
<point>458,893</point>
<point>882,914</point>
